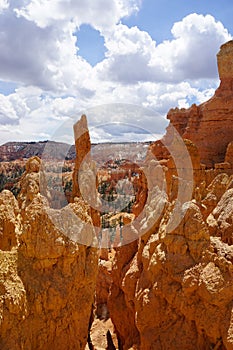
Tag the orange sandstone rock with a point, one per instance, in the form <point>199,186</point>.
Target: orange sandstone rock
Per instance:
<point>85,175</point>
<point>210,125</point>
<point>176,287</point>
<point>9,221</point>
<point>83,149</point>
<point>47,279</point>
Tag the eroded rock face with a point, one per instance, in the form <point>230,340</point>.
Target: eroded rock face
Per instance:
<point>176,286</point>
<point>104,281</point>
<point>229,154</point>
<point>84,175</point>
<point>47,279</point>
<point>210,125</point>
<point>9,221</point>
<point>83,151</point>
<point>221,219</point>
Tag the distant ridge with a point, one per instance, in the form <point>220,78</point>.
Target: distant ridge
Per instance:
<point>49,149</point>
<point>21,150</point>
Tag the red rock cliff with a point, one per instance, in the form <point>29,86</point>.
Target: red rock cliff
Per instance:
<point>210,125</point>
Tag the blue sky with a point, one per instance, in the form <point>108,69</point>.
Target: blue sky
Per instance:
<point>61,58</point>
<point>157,17</point>
<point>90,44</point>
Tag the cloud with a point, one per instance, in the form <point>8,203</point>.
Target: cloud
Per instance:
<point>161,97</point>
<point>99,13</point>
<point>39,51</point>
<point>8,115</point>
<point>133,56</point>
<point>28,114</point>
<point>3,5</point>
<point>42,57</point>
<point>47,56</point>
<point>128,55</point>
<point>26,51</point>
<point>40,113</point>
<point>189,56</point>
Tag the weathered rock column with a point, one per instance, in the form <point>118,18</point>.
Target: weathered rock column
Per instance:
<point>84,176</point>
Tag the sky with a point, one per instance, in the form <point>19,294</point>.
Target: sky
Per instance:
<point>124,63</point>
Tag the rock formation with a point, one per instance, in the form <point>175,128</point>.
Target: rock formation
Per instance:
<point>210,125</point>
<point>84,175</point>
<point>104,281</point>
<point>83,151</point>
<point>173,288</point>
<point>9,221</point>
<point>170,284</point>
<point>47,279</point>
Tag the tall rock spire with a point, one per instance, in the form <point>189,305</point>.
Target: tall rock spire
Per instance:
<point>83,151</point>
<point>84,175</point>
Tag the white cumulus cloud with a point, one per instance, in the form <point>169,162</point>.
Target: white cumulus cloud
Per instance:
<point>133,56</point>
<point>3,5</point>
<point>98,13</point>
<point>192,53</point>
<point>39,52</point>
<point>8,115</point>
